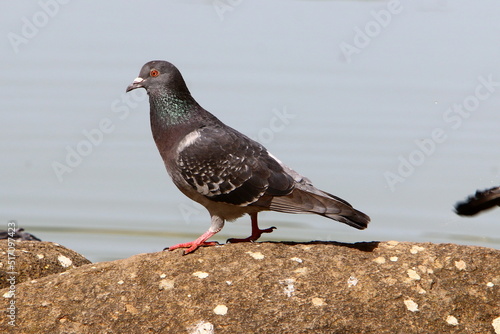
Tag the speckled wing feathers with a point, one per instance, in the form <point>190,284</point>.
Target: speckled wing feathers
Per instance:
<point>226,166</point>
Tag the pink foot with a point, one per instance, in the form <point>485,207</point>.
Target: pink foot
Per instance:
<point>193,245</point>
<point>256,231</point>
<point>255,235</point>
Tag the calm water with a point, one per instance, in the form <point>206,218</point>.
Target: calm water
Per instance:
<point>340,91</point>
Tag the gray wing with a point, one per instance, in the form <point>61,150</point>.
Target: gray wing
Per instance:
<point>306,198</point>
<point>226,166</point>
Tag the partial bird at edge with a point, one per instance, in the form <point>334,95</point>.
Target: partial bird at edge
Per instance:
<point>18,234</point>
<point>481,201</point>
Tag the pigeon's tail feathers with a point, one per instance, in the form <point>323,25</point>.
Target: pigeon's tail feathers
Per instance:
<point>354,218</point>
<point>480,201</point>
<point>321,203</point>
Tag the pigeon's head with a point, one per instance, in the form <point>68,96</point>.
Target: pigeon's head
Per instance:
<point>158,74</point>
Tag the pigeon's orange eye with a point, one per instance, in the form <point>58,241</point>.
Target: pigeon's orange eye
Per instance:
<point>154,73</point>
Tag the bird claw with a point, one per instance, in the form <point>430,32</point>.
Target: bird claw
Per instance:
<point>254,237</point>
<point>268,230</point>
<point>191,246</point>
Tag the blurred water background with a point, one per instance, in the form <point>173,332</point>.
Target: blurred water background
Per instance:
<point>393,106</point>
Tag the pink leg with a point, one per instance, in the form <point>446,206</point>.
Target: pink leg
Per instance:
<point>193,245</point>
<point>256,232</point>
<point>215,226</point>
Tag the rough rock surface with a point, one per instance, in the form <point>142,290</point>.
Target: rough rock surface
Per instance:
<point>387,287</point>
<point>34,259</point>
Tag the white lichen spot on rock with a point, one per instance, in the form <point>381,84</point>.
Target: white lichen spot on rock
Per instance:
<point>200,274</point>
<point>9,294</point>
<point>318,301</point>
<point>302,270</point>
<point>413,274</point>
<point>289,289</point>
<point>256,255</point>
<point>379,260</point>
<point>411,305</point>
<point>120,282</point>
<point>296,259</point>
<point>392,243</point>
<point>352,281</point>
<point>64,261</point>
<point>415,249</point>
<point>40,256</point>
<point>202,327</point>
<point>490,284</point>
<point>420,290</point>
<point>496,325</point>
<point>220,310</point>
<point>131,309</point>
<point>451,320</point>
<point>461,265</point>
<point>166,284</point>
<point>393,258</point>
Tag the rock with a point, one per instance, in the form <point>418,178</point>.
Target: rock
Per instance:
<point>34,259</point>
<point>316,287</point>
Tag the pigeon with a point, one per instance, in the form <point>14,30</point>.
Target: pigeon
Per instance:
<point>480,201</point>
<point>18,234</point>
<point>222,169</point>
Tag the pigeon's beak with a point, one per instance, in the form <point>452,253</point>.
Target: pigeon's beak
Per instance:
<point>137,83</point>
